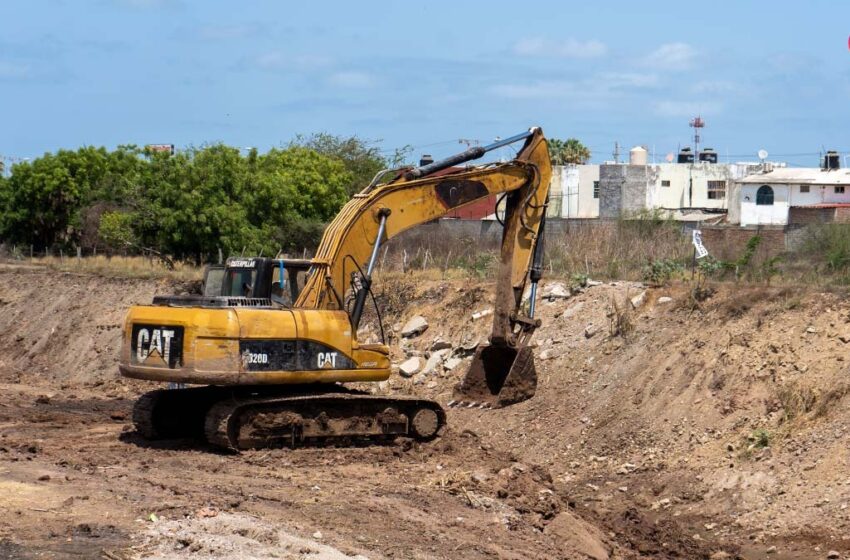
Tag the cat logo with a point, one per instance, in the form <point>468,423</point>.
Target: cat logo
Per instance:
<point>326,360</point>
<point>157,346</point>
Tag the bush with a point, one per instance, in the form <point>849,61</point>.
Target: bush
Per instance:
<point>660,272</point>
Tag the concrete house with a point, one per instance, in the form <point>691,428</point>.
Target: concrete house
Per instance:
<point>574,192</point>
<point>793,196</point>
<point>695,187</point>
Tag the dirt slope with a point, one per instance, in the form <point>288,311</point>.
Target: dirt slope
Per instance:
<point>720,428</point>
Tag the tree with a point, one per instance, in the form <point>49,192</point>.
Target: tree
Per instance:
<point>362,159</point>
<point>565,152</point>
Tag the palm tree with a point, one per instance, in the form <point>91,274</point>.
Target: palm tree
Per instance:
<point>570,151</point>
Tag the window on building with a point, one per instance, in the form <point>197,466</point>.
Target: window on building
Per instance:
<point>839,190</point>
<point>596,189</point>
<point>665,183</point>
<point>716,190</point>
<point>804,188</point>
<point>764,196</point>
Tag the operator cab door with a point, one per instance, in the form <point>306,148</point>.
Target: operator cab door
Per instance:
<point>213,280</point>
<point>294,274</point>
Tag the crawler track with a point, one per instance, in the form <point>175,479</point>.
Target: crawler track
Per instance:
<point>273,417</point>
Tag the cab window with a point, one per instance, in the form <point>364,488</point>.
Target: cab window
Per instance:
<point>239,282</point>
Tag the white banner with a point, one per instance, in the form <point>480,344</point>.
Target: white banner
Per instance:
<point>696,239</point>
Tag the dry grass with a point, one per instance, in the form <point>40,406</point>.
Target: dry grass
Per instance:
<point>603,250</point>
<point>122,267</point>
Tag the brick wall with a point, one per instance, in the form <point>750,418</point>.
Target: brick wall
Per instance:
<point>798,215</point>
<point>729,243</point>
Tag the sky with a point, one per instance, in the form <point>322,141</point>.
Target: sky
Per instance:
<point>255,73</point>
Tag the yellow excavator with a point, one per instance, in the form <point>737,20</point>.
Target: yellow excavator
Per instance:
<point>271,341</point>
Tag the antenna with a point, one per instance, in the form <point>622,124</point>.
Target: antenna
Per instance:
<point>696,123</point>
<point>616,153</point>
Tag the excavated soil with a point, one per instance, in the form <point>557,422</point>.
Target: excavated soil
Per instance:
<point>704,429</point>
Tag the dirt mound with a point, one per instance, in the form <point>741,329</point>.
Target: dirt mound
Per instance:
<point>725,418</point>
<point>64,327</point>
<point>662,427</point>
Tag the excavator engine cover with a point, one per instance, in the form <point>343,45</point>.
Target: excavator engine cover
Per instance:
<point>498,376</point>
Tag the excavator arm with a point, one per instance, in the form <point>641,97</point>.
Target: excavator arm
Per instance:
<point>503,371</point>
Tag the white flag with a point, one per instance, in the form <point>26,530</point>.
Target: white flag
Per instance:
<point>696,238</point>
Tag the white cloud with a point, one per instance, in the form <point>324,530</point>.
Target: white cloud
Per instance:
<point>351,79</point>
<point>686,108</point>
<point>627,79</point>
<point>275,60</point>
<point>715,87</point>
<point>12,70</point>
<point>566,48</point>
<point>599,86</point>
<point>224,32</point>
<point>671,56</point>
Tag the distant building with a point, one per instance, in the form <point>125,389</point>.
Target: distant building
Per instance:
<point>684,188</point>
<point>574,192</point>
<point>793,196</point>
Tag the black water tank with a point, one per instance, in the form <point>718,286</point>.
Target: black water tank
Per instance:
<point>685,156</point>
<point>425,160</point>
<point>832,160</point>
<point>708,155</point>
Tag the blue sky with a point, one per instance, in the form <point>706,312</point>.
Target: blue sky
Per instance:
<point>773,75</point>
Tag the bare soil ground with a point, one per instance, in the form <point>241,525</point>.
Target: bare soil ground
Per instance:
<point>713,428</point>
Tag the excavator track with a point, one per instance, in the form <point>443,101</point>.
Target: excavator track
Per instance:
<point>249,418</point>
<point>297,420</point>
<point>173,413</point>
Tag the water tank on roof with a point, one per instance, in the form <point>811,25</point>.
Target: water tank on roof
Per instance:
<point>831,160</point>
<point>426,159</point>
<point>685,156</point>
<point>637,155</point>
<point>708,155</point>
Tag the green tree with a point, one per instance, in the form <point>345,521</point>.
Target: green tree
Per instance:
<point>293,191</point>
<point>565,152</point>
<point>362,159</point>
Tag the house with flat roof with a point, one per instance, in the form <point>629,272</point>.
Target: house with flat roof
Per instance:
<point>793,196</point>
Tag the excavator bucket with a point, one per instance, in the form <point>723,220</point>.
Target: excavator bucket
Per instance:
<point>498,376</point>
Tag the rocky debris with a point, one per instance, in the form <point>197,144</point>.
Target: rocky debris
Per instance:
<point>435,359</point>
<point>590,283</point>
<point>833,554</point>
<point>720,555</point>
<point>452,363</point>
<point>590,330</point>
<point>414,327</point>
<point>483,313</point>
<point>557,290</point>
<point>440,344</point>
<point>548,354</point>
<point>771,550</point>
<point>318,535</point>
<point>844,337</point>
<point>410,367</point>
<point>627,468</point>
<point>638,300</point>
<point>811,330</point>
<point>469,345</point>
<point>665,299</point>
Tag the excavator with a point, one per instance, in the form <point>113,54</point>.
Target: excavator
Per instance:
<point>269,345</point>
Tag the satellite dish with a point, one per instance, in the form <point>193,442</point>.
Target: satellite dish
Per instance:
<point>762,154</point>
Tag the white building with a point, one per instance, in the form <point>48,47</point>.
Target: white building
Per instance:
<point>782,196</point>
<point>574,191</point>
